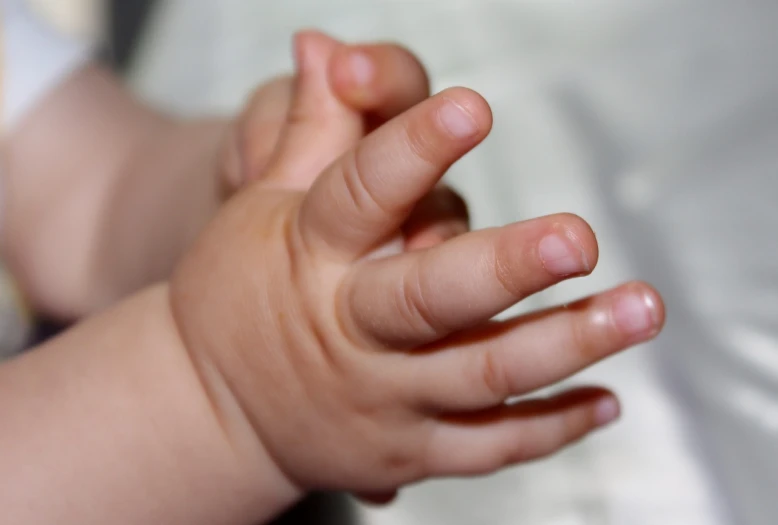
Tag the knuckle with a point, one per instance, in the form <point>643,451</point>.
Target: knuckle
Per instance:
<point>505,273</point>
<point>414,307</point>
<point>535,447</point>
<point>434,459</point>
<point>296,237</point>
<point>569,427</point>
<point>566,430</point>
<point>575,425</point>
<point>494,376</point>
<point>516,451</point>
<point>399,461</point>
<point>349,318</point>
<point>586,346</point>
<point>422,139</point>
<point>508,450</point>
<point>364,198</point>
<point>401,455</point>
<point>297,116</point>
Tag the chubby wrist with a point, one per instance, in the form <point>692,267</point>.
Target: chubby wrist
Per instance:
<point>118,403</point>
<point>259,482</point>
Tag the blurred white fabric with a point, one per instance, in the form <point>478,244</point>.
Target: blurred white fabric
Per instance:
<point>654,120</point>
<point>37,57</point>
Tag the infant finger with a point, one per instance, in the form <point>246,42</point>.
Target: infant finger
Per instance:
<point>441,215</point>
<point>419,297</point>
<point>484,367</point>
<point>518,433</point>
<point>364,197</point>
<point>319,127</point>
<point>381,79</point>
<point>255,134</point>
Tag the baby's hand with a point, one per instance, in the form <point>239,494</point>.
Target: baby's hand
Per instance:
<point>339,94</point>
<point>360,365</point>
<point>355,88</point>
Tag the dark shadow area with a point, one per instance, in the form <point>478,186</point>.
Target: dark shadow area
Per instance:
<point>126,21</point>
<point>321,509</point>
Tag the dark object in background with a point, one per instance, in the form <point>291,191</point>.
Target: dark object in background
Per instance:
<point>43,330</point>
<point>321,509</point>
<point>126,21</point>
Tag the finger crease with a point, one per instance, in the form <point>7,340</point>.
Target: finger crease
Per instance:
<point>494,377</point>
<point>416,307</point>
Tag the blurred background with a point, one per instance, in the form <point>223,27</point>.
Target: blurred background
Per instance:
<point>657,121</point>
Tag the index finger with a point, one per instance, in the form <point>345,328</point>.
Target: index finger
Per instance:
<point>365,196</point>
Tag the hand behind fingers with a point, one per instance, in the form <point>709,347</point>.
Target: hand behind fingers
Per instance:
<point>441,215</point>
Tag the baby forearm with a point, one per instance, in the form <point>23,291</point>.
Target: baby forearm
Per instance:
<point>119,192</point>
<point>111,423</point>
<point>164,196</point>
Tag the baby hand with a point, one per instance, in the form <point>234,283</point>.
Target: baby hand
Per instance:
<point>360,365</point>
<point>353,88</point>
<point>339,94</point>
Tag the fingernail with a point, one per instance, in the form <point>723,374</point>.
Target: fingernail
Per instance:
<point>362,69</point>
<point>562,256</point>
<point>635,315</point>
<point>457,120</point>
<point>606,411</point>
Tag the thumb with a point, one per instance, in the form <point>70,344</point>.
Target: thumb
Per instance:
<point>319,127</point>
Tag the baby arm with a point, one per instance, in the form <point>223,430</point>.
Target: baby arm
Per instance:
<point>110,423</point>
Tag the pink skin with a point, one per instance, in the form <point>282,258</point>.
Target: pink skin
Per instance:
<point>391,363</point>
<point>350,90</point>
